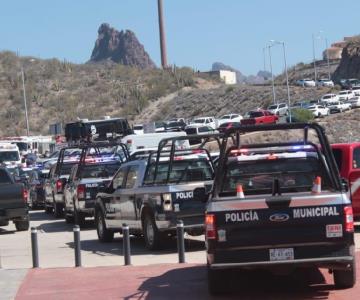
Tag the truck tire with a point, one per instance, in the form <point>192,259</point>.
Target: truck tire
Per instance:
<point>69,219</point>
<point>22,225</point>
<point>151,233</point>
<point>79,218</point>
<point>104,235</point>
<point>345,279</point>
<point>215,281</point>
<point>58,210</point>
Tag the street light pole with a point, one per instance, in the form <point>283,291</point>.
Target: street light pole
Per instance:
<point>264,49</point>
<point>327,57</point>
<point>313,46</point>
<point>287,80</point>
<point>272,75</point>
<point>25,105</point>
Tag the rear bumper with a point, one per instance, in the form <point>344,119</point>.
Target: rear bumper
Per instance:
<point>340,262</point>
<point>193,223</point>
<point>87,207</point>
<point>13,213</point>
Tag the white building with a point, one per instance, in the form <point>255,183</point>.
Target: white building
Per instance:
<point>228,77</point>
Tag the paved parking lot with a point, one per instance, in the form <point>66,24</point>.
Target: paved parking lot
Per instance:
<point>56,247</point>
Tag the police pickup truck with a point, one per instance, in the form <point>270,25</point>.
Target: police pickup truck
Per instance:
<point>153,193</point>
<point>95,169</point>
<point>279,206</point>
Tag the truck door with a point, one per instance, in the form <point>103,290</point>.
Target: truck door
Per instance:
<point>127,201</point>
<point>354,180</point>
<point>112,204</point>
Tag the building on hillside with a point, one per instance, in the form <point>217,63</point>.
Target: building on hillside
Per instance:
<point>228,77</point>
<point>335,50</point>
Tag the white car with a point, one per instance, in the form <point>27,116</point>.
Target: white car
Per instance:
<point>346,95</point>
<point>209,121</point>
<point>280,109</point>
<point>356,90</point>
<point>354,102</point>
<point>319,110</point>
<point>325,82</point>
<point>305,82</point>
<point>339,106</point>
<point>138,129</point>
<point>329,98</point>
<point>229,118</point>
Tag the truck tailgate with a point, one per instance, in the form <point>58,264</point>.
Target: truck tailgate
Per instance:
<point>11,196</point>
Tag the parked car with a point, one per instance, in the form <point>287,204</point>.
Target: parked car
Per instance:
<point>325,82</point>
<point>339,106</point>
<point>319,110</point>
<point>199,130</point>
<point>280,109</point>
<point>349,83</point>
<point>346,95</point>
<point>356,90</point>
<point>175,125</point>
<point>305,82</point>
<point>354,102</point>
<point>329,98</point>
<point>229,118</point>
<point>300,104</point>
<point>225,126</point>
<point>259,117</point>
<point>13,202</point>
<point>138,129</point>
<point>210,121</point>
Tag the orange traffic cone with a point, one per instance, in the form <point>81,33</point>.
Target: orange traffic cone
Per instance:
<point>240,192</point>
<point>316,189</point>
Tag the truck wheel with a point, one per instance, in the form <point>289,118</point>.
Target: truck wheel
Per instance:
<point>69,219</point>
<point>215,281</point>
<point>22,225</point>
<point>151,232</point>
<point>58,210</point>
<point>79,218</point>
<point>104,235</point>
<point>345,279</point>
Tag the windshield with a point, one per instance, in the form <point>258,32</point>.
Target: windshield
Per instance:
<point>190,130</point>
<point>188,170</point>
<point>343,93</point>
<point>258,176</point>
<point>9,156</point>
<point>225,117</point>
<point>327,97</point>
<point>99,170</point>
<point>273,107</point>
<point>22,146</point>
<point>200,121</point>
<point>139,127</point>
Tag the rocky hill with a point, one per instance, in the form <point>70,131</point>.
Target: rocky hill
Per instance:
<point>120,47</point>
<point>60,91</point>
<point>349,66</point>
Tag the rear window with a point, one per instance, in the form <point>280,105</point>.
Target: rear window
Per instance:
<point>9,156</point>
<point>338,157</point>
<point>257,176</point>
<point>188,170</point>
<point>255,114</point>
<point>66,169</point>
<point>99,170</point>
<point>190,131</point>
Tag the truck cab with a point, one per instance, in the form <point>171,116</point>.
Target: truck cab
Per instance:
<point>347,158</point>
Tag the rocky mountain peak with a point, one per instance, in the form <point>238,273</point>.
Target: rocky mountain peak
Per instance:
<point>121,47</point>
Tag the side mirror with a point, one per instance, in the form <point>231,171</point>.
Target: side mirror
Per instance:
<point>344,185</point>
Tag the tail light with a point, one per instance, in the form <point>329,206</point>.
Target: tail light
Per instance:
<point>210,227</point>
<point>349,219</point>
<point>25,195</point>
<point>59,186</point>
<point>80,191</point>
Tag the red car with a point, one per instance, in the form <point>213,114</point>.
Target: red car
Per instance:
<point>347,157</point>
<point>259,117</point>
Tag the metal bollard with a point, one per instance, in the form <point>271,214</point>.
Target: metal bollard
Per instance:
<point>180,241</point>
<point>126,245</point>
<point>77,247</point>
<point>34,247</point>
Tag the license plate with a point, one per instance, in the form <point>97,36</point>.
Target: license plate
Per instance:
<point>281,254</point>
<point>334,230</point>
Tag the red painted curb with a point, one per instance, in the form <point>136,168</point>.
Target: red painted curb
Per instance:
<point>173,281</point>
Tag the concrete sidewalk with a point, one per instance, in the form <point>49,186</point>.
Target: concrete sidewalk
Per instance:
<point>175,281</point>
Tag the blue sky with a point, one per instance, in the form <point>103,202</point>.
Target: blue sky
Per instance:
<point>198,32</point>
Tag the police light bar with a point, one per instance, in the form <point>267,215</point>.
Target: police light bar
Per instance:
<point>8,147</point>
<point>272,156</point>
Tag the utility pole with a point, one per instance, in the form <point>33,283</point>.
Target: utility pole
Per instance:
<point>272,75</point>
<point>25,105</point>
<point>162,35</point>
<point>313,46</point>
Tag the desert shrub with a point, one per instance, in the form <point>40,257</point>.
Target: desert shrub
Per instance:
<point>302,115</point>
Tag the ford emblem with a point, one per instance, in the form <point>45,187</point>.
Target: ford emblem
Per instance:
<point>279,217</point>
